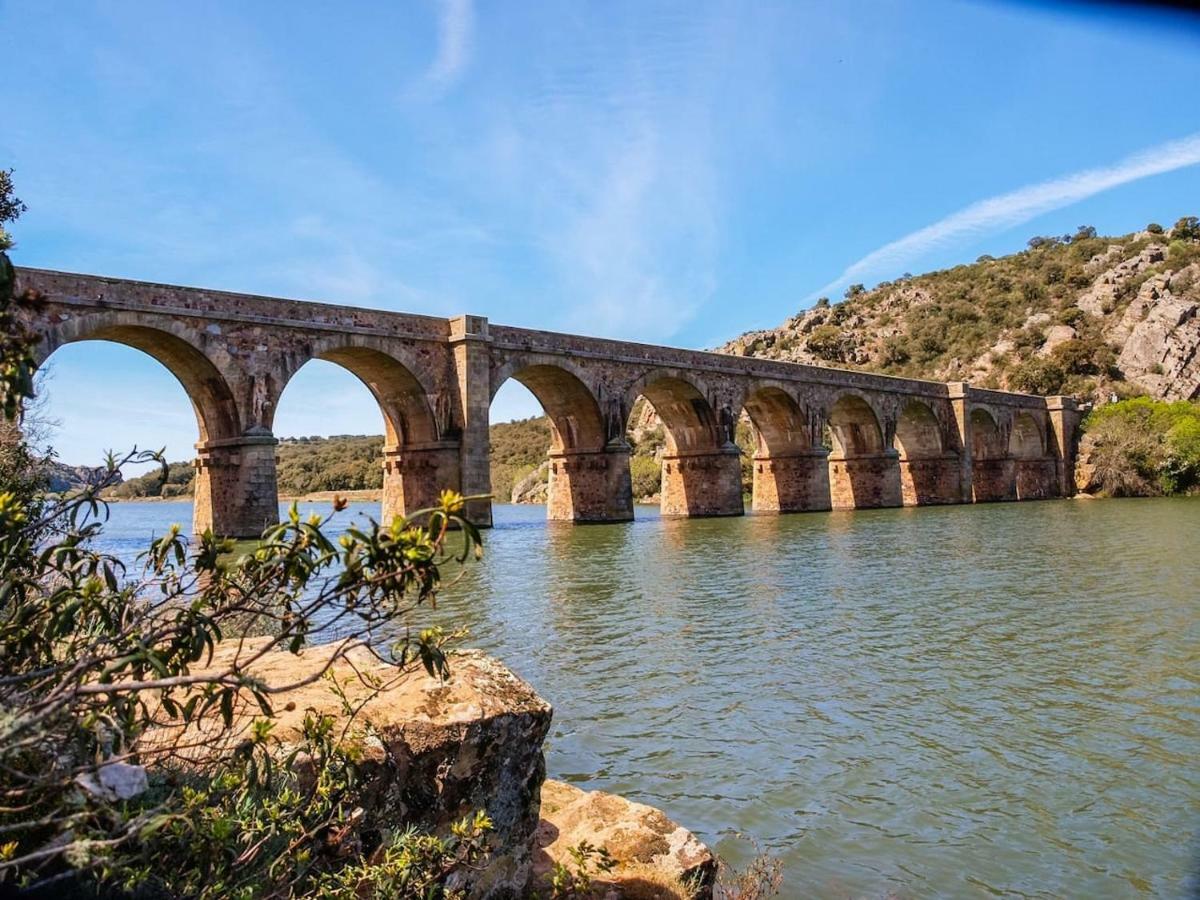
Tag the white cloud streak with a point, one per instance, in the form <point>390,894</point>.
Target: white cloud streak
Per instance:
<point>456,23</point>
<point>1016,207</point>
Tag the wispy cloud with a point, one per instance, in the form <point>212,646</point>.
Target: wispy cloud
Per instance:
<point>456,22</point>
<point>1016,207</point>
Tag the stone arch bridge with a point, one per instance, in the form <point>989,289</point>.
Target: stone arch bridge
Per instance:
<point>827,438</point>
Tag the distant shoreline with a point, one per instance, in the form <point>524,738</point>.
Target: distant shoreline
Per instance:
<point>315,497</point>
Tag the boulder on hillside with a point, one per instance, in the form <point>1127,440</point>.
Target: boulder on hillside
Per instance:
<point>656,859</point>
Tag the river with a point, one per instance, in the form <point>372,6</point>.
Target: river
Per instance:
<point>963,701</point>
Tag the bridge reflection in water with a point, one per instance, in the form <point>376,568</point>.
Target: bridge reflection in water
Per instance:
<point>827,438</point>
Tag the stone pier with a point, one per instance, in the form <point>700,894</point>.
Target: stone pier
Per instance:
<point>797,483</point>
<point>702,484</point>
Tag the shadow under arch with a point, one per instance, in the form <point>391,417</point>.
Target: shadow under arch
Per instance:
<point>991,467</point>
<point>863,471</point>
<point>929,474</point>
<point>419,461</point>
<point>588,461</point>
<point>790,474</point>
<point>701,465</point>
<point>1036,471</point>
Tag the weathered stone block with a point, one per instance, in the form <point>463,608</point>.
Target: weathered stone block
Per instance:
<point>994,480</point>
<point>864,482</point>
<point>796,483</point>
<point>590,486</point>
<point>926,482</point>
<point>702,484</point>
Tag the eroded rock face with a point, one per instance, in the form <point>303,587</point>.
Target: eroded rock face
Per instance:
<point>656,858</point>
<point>533,487</point>
<point>1162,348</point>
<point>436,751</point>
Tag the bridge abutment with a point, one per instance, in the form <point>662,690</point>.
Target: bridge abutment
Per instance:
<point>702,484</point>
<point>793,483</point>
<point>865,482</point>
<point>236,494</point>
<point>590,486</point>
<point>414,477</point>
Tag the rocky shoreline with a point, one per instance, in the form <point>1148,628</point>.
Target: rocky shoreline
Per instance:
<point>439,750</point>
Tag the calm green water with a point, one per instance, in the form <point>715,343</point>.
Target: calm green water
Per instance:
<point>965,701</point>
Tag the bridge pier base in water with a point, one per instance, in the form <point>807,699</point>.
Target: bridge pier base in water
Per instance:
<point>235,490</point>
<point>993,480</point>
<point>795,483</point>
<point>865,482</point>
<point>590,485</point>
<point>930,481</point>
<point>702,484</point>
<point>1036,479</point>
<point>415,476</point>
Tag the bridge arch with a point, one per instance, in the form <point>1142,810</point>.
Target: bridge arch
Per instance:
<point>404,401</point>
<point>1026,440</point>
<point>854,428</point>
<point>234,484</point>
<point>992,471</point>
<point>780,422</point>
<point>701,465</point>
<point>176,348</point>
<point>418,460</point>
<point>576,420</point>
<point>588,462</point>
<point>863,470</point>
<point>689,421</point>
<point>1036,471</point>
<point>929,473</point>
<point>789,473</point>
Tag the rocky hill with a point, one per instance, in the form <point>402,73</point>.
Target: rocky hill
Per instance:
<point>1078,314</point>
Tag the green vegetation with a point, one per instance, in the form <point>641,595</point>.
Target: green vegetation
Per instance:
<point>1143,447</point>
<point>517,449</point>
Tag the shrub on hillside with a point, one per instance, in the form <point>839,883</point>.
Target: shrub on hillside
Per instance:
<point>1037,375</point>
<point>1083,356</point>
<point>1186,229</point>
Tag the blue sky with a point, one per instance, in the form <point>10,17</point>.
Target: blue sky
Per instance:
<point>670,172</point>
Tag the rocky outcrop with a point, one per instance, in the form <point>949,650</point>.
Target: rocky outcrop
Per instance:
<point>1137,296</point>
<point>1161,337</point>
<point>534,487</point>
<point>656,859</point>
<point>62,478</point>
<point>437,751</point>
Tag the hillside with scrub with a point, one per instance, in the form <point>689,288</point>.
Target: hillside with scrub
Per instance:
<point>1078,314</point>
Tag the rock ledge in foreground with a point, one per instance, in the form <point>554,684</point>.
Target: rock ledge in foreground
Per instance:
<point>656,858</point>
